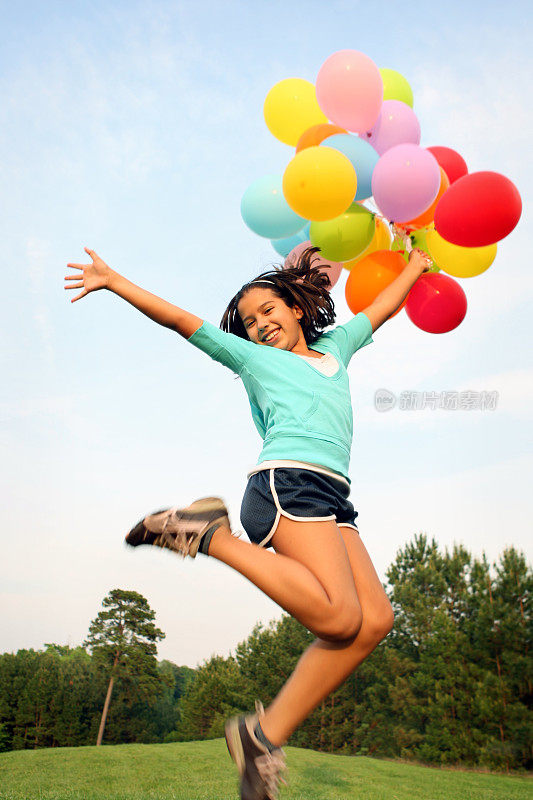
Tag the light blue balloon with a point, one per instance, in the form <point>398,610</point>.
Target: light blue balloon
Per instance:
<point>265,210</point>
<point>284,246</point>
<point>363,157</point>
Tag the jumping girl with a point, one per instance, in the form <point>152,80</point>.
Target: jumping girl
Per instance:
<point>304,551</point>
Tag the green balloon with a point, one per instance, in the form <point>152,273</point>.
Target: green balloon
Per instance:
<point>346,236</point>
<point>396,87</point>
<point>398,245</point>
<point>419,239</point>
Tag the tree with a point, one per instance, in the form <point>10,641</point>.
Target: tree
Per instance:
<point>211,697</point>
<point>76,700</point>
<point>122,639</point>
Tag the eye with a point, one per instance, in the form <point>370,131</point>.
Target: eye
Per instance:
<point>268,310</point>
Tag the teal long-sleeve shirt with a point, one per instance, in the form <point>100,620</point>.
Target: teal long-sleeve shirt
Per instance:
<point>300,413</point>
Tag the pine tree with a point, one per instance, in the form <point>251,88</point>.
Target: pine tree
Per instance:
<point>215,693</point>
<point>122,639</point>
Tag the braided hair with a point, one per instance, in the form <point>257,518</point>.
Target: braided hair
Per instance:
<point>301,285</point>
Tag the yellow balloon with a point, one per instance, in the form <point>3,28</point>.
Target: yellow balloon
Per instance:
<point>319,183</point>
<point>461,262</point>
<point>291,108</point>
<point>380,241</point>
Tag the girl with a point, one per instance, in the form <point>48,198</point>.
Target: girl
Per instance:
<point>296,501</point>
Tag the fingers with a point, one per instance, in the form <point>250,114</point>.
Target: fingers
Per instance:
<point>79,278</point>
<point>81,294</point>
<point>422,253</point>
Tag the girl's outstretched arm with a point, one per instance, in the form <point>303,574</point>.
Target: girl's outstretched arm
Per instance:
<point>393,296</point>
<point>98,275</point>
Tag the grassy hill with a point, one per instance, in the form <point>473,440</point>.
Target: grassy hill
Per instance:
<point>204,771</point>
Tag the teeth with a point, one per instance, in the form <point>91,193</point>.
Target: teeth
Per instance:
<point>271,335</point>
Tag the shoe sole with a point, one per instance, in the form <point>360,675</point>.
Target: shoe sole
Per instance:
<point>139,532</point>
<point>234,743</point>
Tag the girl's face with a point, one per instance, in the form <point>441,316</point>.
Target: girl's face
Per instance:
<point>269,320</point>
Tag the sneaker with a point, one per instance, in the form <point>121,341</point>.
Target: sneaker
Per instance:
<point>180,529</point>
<point>258,767</point>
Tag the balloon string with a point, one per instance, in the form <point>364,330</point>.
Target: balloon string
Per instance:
<point>401,233</point>
<point>398,231</point>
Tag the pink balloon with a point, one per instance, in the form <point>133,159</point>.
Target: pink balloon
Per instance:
<point>436,303</point>
<point>405,182</point>
<point>333,269</point>
<point>349,90</point>
<point>397,124</point>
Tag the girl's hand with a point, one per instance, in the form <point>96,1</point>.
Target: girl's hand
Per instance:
<point>419,260</point>
<point>94,276</point>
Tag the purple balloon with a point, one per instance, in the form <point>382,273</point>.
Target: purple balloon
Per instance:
<point>405,182</point>
<point>396,124</point>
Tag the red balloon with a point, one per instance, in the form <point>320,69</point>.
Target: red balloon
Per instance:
<point>451,162</point>
<point>479,209</point>
<point>436,303</point>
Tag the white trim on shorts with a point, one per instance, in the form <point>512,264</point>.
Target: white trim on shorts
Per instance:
<point>283,463</point>
<point>348,525</point>
<point>280,512</point>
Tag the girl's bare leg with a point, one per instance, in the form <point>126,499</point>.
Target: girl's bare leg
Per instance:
<point>325,665</point>
<point>311,579</point>
<point>323,576</point>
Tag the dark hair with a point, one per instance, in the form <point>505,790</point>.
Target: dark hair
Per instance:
<point>301,285</point>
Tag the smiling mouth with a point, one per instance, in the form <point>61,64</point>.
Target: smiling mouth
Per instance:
<point>272,336</point>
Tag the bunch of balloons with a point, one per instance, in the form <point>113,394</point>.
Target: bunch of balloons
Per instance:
<point>358,172</point>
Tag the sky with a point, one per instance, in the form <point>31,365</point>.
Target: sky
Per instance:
<point>134,128</point>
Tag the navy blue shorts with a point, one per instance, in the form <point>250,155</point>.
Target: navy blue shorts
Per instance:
<point>296,493</point>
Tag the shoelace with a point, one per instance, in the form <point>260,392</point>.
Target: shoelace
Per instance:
<point>167,540</point>
<point>269,767</point>
<point>170,513</point>
<point>177,542</point>
<point>183,540</point>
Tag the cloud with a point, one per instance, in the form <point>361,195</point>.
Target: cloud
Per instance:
<point>476,105</point>
<point>139,110</point>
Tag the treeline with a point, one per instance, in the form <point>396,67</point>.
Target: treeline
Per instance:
<point>54,698</point>
<point>451,684</point>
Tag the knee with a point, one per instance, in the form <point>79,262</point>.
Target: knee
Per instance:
<point>343,626</point>
<point>386,621</point>
<point>379,624</point>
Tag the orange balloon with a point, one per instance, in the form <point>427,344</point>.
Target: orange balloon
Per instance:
<point>316,134</point>
<point>370,276</point>
<point>426,217</point>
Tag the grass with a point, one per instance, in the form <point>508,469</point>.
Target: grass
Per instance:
<point>203,771</point>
